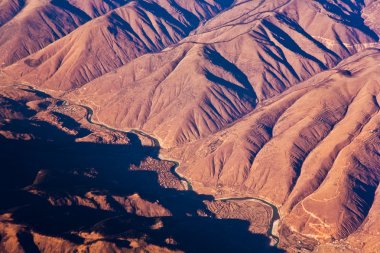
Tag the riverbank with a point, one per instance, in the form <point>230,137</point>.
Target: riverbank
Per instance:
<point>185,182</point>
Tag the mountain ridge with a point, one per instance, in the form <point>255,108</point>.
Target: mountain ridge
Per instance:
<point>271,99</point>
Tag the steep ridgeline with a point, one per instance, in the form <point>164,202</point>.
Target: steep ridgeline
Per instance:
<point>104,190</point>
<point>271,99</point>
<point>247,54</point>
<point>313,151</point>
<point>112,40</point>
<point>27,26</point>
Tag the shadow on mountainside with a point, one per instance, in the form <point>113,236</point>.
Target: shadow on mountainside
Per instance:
<point>67,168</point>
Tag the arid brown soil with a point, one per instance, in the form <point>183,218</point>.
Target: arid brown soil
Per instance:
<point>153,125</point>
<point>71,185</point>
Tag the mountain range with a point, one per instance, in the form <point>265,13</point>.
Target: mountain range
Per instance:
<point>253,124</point>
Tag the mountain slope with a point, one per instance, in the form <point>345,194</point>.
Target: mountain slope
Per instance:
<point>277,101</point>
<point>313,151</point>
<point>104,189</point>
<point>112,40</point>
<point>264,51</point>
<point>27,26</point>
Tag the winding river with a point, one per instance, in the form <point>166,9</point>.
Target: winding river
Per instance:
<point>275,214</point>
<point>155,143</point>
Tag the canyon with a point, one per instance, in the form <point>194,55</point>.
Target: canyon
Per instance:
<point>189,126</point>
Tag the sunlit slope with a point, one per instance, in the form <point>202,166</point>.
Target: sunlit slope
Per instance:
<point>313,151</point>
<point>112,40</point>
<point>250,52</point>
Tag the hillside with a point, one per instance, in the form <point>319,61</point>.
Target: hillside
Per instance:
<point>225,67</point>
<point>311,151</point>
<point>110,41</point>
<point>190,126</point>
